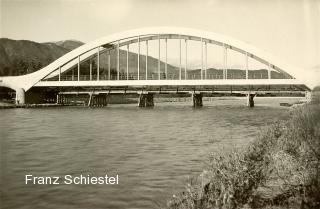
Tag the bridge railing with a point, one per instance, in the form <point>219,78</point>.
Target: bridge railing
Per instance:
<point>133,76</point>
<point>163,76</point>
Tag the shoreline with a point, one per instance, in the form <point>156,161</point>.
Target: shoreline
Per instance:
<point>10,106</point>
<point>302,101</point>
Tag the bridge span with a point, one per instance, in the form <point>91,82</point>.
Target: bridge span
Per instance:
<point>109,64</point>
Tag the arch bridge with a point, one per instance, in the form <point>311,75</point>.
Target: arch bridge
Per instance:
<point>109,65</point>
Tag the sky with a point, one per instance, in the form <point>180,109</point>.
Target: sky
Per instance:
<point>287,29</point>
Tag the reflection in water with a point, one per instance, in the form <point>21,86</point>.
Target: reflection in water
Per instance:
<point>152,150</point>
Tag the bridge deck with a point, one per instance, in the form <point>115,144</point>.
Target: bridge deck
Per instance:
<point>188,85</point>
<point>209,86</point>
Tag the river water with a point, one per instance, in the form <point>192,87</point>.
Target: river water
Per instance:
<point>154,150</point>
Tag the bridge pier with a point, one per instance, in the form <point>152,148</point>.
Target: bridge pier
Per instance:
<point>146,100</point>
<point>197,99</point>
<point>20,96</point>
<point>250,100</point>
<point>65,99</point>
<point>98,101</point>
<point>62,99</point>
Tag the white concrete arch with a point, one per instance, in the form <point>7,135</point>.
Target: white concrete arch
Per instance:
<point>27,81</point>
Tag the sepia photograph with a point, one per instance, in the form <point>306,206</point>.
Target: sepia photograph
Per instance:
<point>159,104</point>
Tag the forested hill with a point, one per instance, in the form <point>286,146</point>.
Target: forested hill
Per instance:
<point>19,57</point>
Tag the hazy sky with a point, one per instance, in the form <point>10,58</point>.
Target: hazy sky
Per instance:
<point>288,29</point>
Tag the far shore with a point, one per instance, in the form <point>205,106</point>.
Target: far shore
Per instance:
<point>114,101</point>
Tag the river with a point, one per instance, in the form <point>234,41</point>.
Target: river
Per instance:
<point>153,150</point>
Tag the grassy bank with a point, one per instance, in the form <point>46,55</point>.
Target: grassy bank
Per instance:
<point>280,169</point>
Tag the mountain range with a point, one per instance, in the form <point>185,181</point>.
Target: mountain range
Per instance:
<point>19,57</point>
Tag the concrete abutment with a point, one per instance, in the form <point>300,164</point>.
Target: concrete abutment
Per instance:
<point>20,96</point>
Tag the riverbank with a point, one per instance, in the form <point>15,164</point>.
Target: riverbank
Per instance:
<point>280,169</point>
<point>10,105</point>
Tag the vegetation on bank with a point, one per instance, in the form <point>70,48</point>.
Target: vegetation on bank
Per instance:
<point>280,169</point>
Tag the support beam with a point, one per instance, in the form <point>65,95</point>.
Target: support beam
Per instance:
<point>60,73</point>
<point>250,99</point>
<point>138,57</point>
<point>90,99</point>
<point>226,51</point>
<point>225,65</point>
<point>147,59</point>
<point>197,100</point>
<point>109,67</point>
<point>159,74</point>
<point>201,59</point>
<point>186,61</point>
<point>206,60</point>
<point>98,63</point>
<point>128,62</point>
<point>118,61</point>
<point>180,58</point>
<point>59,98</point>
<point>20,96</point>
<point>146,100</point>
<point>247,66</point>
<point>67,99</point>
<point>90,69</point>
<point>78,68</point>
<point>269,71</point>
<point>104,102</point>
<point>166,65</point>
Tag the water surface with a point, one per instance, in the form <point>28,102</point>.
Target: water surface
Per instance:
<point>153,150</point>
